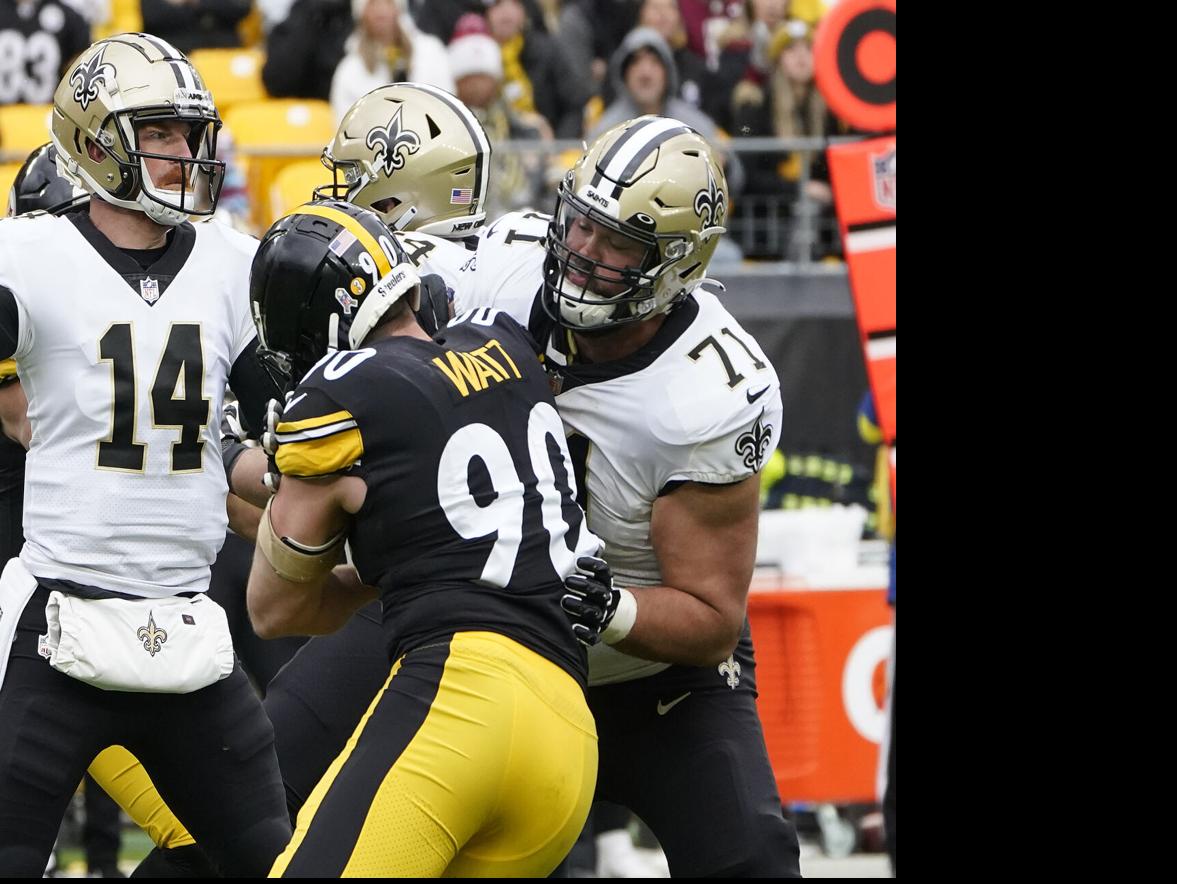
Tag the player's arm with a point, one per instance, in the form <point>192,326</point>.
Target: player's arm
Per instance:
<point>294,587</point>
<point>705,539</point>
<point>244,517</point>
<point>254,388</point>
<point>14,406</point>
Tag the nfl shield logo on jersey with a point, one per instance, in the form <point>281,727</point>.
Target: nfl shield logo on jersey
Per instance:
<point>149,289</point>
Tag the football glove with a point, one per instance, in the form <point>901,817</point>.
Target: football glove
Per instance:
<point>274,409</point>
<point>590,601</point>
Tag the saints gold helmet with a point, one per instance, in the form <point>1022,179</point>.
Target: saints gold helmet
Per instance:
<point>106,95</point>
<point>414,154</point>
<point>653,186</point>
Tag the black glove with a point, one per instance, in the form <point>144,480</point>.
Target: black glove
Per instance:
<point>434,311</point>
<point>590,601</point>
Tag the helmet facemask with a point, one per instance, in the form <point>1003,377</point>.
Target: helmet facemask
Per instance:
<point>200,177</point>
<point>582,293</point>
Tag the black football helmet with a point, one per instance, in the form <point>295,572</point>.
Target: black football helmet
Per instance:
<point>39,187</point>
<point>322,278</point>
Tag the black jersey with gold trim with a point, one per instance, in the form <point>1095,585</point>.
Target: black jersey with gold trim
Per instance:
<point>470,521</point>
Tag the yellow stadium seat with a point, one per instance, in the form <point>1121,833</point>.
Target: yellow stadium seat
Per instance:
<point>273,134</point>
<point>7,176</point>
<point>295,185</point>
<point>231,75</point>
<point>23,127</point>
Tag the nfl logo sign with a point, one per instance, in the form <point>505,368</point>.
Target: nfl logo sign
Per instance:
<point>149,289</point>
<point>884,174</point>
<point>461,196</point>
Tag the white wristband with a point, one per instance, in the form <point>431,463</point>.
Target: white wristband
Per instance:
<point>623,618</point>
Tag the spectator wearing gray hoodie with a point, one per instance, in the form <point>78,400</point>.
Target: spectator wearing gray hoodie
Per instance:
<point>645,81</point>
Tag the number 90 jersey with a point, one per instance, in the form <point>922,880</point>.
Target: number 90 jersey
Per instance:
<point>470,520</point>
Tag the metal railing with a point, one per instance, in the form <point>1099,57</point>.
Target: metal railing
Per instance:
<point>769,227</point>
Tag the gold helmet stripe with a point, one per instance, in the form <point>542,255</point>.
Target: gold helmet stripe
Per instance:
<point>355,228</point>
<point>626,155</point>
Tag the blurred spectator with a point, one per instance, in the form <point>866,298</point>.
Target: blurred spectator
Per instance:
<point>95,12</point>
<point>789,105</point>
<point>693,77</point>
<point>40,39</point>
<point>440,17</point>
<point>303,50</point>
<point>742,46</point>
<point>477,66</point>
<point>531,59</point>
<point>590,32</point>
<point>273,12</point>
<point>704,21</point>
<point>646,80</point>
<point>386,47</point>
<point>195,24</point>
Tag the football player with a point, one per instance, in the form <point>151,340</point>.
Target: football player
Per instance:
<point>671,409</point>
<point>38,187</point>
<point>127,322</point>
<point>443,464</point>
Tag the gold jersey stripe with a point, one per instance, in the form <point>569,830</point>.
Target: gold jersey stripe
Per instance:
<point>355,228</point>
<point>321,457</point>
<point>7,368</point>
<point>311,423</point>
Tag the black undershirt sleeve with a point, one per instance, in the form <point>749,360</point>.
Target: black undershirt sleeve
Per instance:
<point>9,323</point>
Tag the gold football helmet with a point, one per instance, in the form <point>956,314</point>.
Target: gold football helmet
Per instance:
<point>655,183</point>
<point>415,155</point>
<point>113,87</point>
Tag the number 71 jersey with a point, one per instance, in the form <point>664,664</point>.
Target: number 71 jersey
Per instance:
<point>125,373</point>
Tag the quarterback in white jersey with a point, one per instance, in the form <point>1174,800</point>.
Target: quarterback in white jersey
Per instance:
<point>126,322</point>
<point>123,375</point>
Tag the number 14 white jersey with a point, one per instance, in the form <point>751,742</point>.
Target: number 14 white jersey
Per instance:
<point>124,485</point>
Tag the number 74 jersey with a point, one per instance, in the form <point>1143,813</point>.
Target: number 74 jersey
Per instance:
<point>125,373</point>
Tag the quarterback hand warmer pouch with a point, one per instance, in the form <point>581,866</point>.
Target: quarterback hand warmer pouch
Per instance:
<point>163,646</point>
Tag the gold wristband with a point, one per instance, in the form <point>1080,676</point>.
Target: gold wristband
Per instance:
<point>292,560</point>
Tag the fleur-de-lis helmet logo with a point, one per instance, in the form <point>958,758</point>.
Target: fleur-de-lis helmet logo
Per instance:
<point>730,669</point>
<point>391,142</point>
<point>151,637</point>
<point>753,445</point>
<point>711,204</point>
<point>86,75</point>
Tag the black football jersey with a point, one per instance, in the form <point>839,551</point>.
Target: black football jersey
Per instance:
<point>470,520</point>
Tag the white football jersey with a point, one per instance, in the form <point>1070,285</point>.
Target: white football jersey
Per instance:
<point>433,254</point>
<point>700,403</point>
<point>124,485</point>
